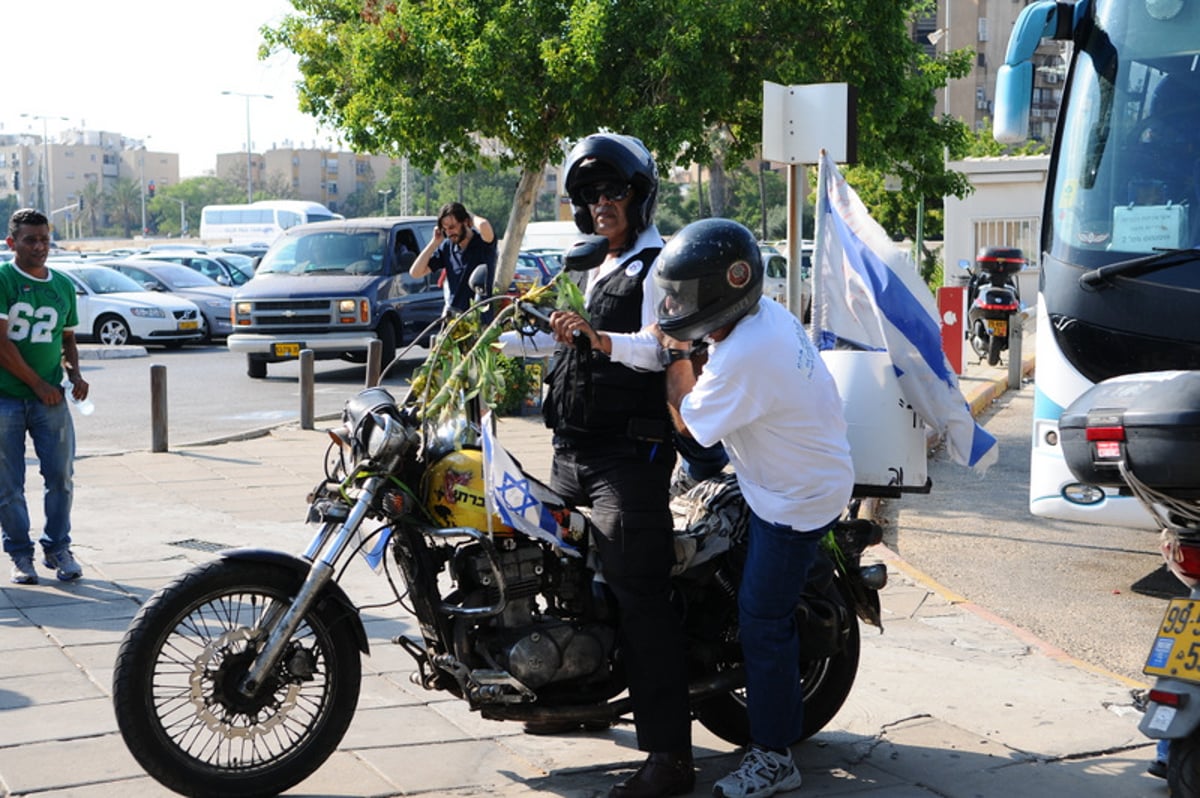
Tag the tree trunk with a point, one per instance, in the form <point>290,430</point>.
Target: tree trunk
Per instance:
<point>718,185</point>
<point>518,219</point>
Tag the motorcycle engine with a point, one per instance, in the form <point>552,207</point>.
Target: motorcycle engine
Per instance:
<point>538,637</point>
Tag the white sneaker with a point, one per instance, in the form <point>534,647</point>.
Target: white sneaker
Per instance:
<point>64,564</point>
<point>762,773</point>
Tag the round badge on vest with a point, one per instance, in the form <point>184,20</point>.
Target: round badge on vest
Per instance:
<point>634,268</point>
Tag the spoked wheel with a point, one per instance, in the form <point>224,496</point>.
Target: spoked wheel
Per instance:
<point>178,671</point>
<point>827,684</point>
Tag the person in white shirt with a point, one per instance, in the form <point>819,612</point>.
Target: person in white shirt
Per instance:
<point>765,393</point>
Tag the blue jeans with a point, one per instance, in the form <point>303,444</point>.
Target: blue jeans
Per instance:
<point>777,565</point>
<point>53,436</point>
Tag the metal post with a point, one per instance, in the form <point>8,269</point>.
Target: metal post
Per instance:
<point>374,356</point>
<point>307,400</point>
<point>158,408</point>
<point>1015,325</point>
<point>249,165</point>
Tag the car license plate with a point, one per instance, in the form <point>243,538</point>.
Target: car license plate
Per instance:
<point>189,325</point>
<point>997,326</point>
<point>1176,649</point>
<point>286,350</point>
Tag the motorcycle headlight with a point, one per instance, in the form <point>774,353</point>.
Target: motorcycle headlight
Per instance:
<point>387,438</point>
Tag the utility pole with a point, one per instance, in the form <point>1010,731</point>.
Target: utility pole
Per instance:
<point>44,172</point>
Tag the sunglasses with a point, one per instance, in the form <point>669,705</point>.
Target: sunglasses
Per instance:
<point>615,192</point>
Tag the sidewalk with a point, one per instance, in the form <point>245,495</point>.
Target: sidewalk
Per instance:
<point>949,702</point>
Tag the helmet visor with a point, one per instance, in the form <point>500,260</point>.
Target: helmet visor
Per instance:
<point>677,308</point>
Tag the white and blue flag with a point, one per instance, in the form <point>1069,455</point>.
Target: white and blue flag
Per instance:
<point>514,497</point>
<point>869,295</point>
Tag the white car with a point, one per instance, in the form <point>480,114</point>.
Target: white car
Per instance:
<point>115,310</point>
<point>775,267</point>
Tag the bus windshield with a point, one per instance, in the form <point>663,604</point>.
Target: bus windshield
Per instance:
<point>1127,178</point>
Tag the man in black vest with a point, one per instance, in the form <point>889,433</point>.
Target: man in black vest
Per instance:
<point>613,448</point>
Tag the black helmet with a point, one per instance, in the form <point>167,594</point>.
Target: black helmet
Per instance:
<point>711,274</point>
<point>609,156</point>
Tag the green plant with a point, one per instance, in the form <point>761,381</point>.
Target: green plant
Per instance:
<point>514,382</point>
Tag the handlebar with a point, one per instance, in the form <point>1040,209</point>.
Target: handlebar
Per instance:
<point>583,344</point>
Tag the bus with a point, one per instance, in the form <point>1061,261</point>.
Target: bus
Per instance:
<point>258,222</point>
<point>1120,263</point>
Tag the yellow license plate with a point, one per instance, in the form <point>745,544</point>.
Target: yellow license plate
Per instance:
<point>189,325</point>
<point>996,326</point>
<point>1176,649</point>
<point>285,350</point>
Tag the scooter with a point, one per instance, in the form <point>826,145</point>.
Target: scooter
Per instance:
<point>992,300</point>
<point>1137,433</point>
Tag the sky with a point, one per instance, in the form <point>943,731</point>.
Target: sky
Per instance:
<point>155,69</point>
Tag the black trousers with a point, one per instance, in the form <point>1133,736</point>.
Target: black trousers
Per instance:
<point>625,482</point>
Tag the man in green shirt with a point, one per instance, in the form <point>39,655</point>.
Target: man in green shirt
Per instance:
<point>38,314</point>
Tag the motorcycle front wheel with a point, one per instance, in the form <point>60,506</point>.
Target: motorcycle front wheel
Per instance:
<point>827,684</point>
<point>175,683</point>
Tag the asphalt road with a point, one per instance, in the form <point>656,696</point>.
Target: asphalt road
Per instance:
<point>209,396</point>
<point>1097,593</point>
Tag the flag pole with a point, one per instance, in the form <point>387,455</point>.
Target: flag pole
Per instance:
<point>818,256</point>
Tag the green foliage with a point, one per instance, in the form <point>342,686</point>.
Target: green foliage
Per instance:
<point>981,144</point>
<point>464,83</point>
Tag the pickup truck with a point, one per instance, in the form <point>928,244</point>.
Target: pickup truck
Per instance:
<point>333,287</point>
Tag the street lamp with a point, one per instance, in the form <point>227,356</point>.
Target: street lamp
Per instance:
<point>249,178</point>
<point>386,192</point>
<point>142,180</point>
<point>182,216</point>
<point>45,170</point>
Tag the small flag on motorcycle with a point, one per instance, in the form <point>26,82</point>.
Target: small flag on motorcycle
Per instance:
<point>514,496</point>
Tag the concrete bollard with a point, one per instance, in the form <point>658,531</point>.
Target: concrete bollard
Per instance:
<point>307,397</point>
<point>374,356</point>
<point>158,408</point>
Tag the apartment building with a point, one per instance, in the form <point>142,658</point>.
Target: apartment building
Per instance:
<point>984,27</point>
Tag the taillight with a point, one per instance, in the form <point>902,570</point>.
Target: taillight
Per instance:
<point>1167,699</point>
<point>1187,558</point>
<point>1106,440</point>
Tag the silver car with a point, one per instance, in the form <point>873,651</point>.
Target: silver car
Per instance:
<point>212,298</point>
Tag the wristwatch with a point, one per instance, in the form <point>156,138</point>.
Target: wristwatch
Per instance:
<point>669,355</point>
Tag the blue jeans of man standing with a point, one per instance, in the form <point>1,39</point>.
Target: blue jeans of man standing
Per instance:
<point>778,560</point>
<point>53,436</point>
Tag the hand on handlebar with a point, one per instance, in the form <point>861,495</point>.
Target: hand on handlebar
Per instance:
<point>571,328</point>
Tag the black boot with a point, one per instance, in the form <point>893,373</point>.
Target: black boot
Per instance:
<point>662,774</point>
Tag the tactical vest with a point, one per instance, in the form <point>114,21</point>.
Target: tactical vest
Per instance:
<point>591,397</point>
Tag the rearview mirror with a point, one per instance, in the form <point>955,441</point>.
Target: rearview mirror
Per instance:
<point>586,253</point>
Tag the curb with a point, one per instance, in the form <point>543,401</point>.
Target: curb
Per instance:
<point>105,352</point>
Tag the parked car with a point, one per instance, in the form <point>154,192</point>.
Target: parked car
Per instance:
<point>226,268</point>
<point>532,269</point>
<point>115,310</point>
<point>775,267</point>
<point>333,287</point>
<point>211,297</point>
<point>253,251</point>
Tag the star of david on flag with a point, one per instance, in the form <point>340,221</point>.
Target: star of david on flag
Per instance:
<point>513,496</point>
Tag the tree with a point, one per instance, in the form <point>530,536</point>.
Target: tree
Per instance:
<point>460,82</point>
<point>93,204</point>
<point>125,201</point>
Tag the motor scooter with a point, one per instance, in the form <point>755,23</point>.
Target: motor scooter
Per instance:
<point>1138,433</point>
<point>992,300</point>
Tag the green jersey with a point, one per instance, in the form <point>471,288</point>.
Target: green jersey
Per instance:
<point>37,312</point>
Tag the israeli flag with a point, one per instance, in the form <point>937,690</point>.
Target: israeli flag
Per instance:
<point>514,497</point>
<point>869,295</point>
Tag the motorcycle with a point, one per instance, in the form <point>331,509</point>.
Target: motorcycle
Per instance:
<point>1137,433</point>
<point>241,676</point>
<point>992,300</point>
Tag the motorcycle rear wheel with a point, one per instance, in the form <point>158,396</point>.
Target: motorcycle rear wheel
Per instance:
<point>827,684</point>
<point>1183,767</point>
<point>176,675</point>
<point>993,351</point>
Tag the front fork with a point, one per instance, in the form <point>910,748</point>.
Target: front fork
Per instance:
<point>323,552</point>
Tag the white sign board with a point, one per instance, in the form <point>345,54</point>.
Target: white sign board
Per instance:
<point>1142,228</point>
<point>799,121</point>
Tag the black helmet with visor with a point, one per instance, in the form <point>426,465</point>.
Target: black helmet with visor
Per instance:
<point>710,274</point>
<point>619,161</point>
